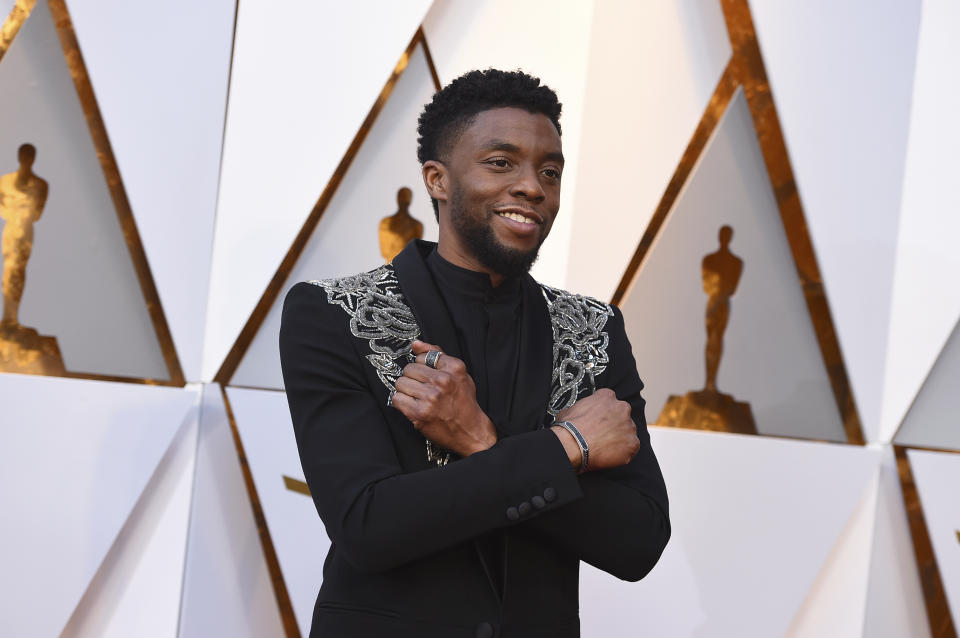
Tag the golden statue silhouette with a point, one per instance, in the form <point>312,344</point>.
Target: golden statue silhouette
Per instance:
<point>398,229</point>
<point>23,195</point>
<point>709,409</point>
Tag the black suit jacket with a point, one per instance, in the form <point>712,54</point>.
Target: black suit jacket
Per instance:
<point>404,560</point>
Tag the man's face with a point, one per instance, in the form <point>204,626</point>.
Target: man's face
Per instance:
<point>504,174</point>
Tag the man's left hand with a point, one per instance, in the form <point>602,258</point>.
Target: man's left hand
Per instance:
<point>442,403</point>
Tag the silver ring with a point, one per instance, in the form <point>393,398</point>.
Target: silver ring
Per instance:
<point>432,357</point>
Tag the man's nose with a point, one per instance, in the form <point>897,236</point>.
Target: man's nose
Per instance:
<point>528,185</point>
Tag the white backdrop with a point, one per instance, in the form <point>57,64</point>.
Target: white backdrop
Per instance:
<point>227,132</point>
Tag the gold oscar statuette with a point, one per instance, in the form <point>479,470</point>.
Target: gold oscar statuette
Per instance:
<point>398,229</point>
<point>22,198</point>
<point>710,409</point>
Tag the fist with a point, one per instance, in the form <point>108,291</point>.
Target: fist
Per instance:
<point>442,403</point>
<point>606,424</point>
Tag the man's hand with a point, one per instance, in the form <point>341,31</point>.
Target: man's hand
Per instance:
<point>606,425</point>
<point>442,403</point>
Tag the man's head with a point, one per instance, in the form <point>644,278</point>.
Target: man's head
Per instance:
<point>492,161</point>
<point>26,154</point>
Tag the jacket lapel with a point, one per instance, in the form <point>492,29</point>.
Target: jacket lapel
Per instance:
<point>532,391</point>
<point>424,299</point>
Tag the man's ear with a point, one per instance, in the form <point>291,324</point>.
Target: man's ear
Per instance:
<point>436,180</point>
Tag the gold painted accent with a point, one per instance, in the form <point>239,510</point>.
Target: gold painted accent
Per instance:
<point>296,485</point>
<point>746,69</point>
<point>710,409</point>
<point>15,19</point>
<point>397,230</point>
<point>938,610</point>
<point>249,331</point>
<point>81,81</point>
<point>290,626</point>
<point>23,195</point>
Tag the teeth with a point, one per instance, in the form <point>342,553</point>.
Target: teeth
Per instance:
<point>517,217</point>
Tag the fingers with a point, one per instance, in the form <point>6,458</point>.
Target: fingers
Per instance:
<point>446,362</point>
<point>422,347</point>
<point>414,389</point>
<point>407,405</point>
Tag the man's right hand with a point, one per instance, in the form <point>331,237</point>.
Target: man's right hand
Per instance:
<point>607,426</point>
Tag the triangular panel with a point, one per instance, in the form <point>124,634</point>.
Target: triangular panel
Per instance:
<point>137,589</point>
<point>346,239</point>
<point>226,583</point>
<point>75,456</point>
<point>770,357</point>
<point>933,419</point>
<point>748,510</point>
<point>262,419</point>
<point>302,81</point>
<point>87,303</point>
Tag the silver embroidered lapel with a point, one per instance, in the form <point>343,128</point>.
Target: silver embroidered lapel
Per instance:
<point>579,345</point>
<point>380,315</point>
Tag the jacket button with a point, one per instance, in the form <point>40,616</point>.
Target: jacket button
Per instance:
<point>523,508</point>
<point>484,630</point>
<point>549,495</point>
<point>513,515</point>
<point>538,502</point>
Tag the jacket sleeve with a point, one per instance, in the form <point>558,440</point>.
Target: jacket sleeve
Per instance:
<point>378,516</point>
<point>621,525</point>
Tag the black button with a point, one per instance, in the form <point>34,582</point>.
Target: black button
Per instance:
<point>549,495</point>
<point>523,508</point>
<point>538,502</point>
<point>484,630</point>
<point>513,515</point>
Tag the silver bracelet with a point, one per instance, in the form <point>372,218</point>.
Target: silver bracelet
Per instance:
<point>582,442</point>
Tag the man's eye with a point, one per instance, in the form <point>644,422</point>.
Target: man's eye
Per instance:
<point>499,162</point>
<point>552,173</point>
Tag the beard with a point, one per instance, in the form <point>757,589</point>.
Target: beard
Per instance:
<point>479,237</point>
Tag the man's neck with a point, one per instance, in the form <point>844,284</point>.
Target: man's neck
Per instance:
<point>458,257</point>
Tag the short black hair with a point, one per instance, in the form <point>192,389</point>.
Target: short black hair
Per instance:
<point>454,107</point>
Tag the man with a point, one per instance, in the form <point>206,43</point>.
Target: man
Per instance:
<point>423,396</point>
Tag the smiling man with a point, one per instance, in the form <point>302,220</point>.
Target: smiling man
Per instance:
<point>469,435</point>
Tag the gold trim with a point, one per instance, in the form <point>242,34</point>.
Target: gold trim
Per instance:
<point>11,26</point>
<point>111,172</point>
<point>296,485</point>
<point>938,610</point>
<point>746,69</point>
<point>285,606</point>
<point>249,331</point>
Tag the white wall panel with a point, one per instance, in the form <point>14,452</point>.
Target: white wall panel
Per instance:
<point>298,535</point>
<point>227,589</point>
<point>74,458</point>
<point>754,521</point>
<point>933,420</point>
<point>160,77</point>
<point>652,69</point>
<point>460,36</point>
<point>304,77</point>
<point>937,476</point>
<point>926,298</point>
<point>841,74</point>
<point>771,357</point>
<point>836,604</point>
<point>81,286</point>
<point>136,591</point>
<point>346,240</point>
<point>895,604</point>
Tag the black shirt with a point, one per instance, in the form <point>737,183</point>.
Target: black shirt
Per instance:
<point>487,322</point>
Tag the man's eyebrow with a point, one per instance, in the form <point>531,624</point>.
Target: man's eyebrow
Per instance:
<point>500,145</point>
<point>507,147</point>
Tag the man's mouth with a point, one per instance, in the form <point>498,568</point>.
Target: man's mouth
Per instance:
<point>523,217</point>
